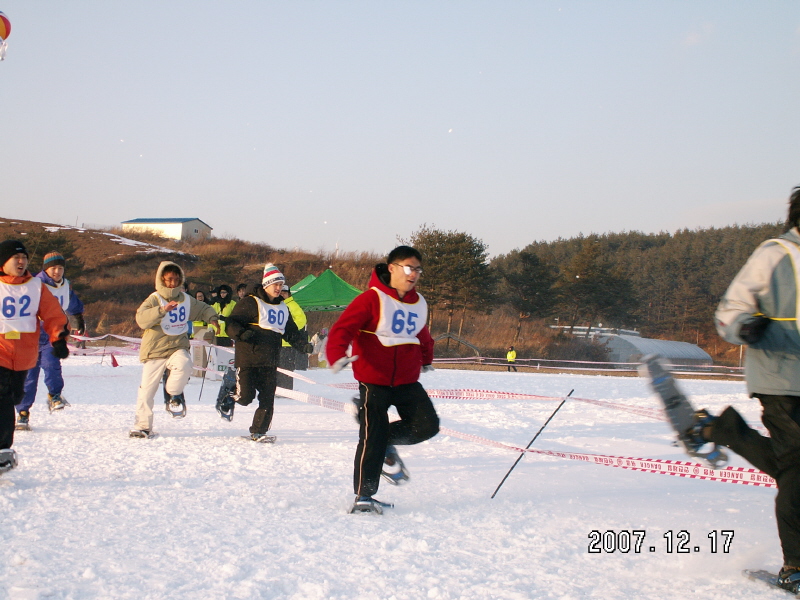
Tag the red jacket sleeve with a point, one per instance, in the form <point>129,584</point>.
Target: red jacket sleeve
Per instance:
<point>426,341</point>
<point>360,314</point>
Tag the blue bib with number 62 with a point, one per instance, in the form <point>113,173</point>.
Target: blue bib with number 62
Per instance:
<point>400,322</point>
<point>19,305</point>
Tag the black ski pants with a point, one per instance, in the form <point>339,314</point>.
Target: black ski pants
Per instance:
<point>12,389</point>
<point>287,361</point>
<point>778,456</point>
<point>418,422</point>
<point>250,380</point>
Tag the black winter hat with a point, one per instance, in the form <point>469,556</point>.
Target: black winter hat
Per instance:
<point>9,248</point>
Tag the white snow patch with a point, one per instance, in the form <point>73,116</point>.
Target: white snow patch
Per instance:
<point>201,513</point>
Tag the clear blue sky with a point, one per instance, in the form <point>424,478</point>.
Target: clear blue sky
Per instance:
<point>310,123</point>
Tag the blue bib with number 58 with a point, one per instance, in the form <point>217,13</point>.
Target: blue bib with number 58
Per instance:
<point>19,305</point>
<point>400,322</point>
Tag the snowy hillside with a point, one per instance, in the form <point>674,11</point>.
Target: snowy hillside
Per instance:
<point>201,513</point>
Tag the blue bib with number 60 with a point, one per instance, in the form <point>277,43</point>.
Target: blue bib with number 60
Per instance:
<point>19,305</point>
<point>400,322</point>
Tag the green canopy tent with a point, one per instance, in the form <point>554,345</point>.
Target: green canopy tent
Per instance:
<point>326,292</point>
<point>302,283</point>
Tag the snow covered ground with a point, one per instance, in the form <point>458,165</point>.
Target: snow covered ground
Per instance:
<point>201,513</point>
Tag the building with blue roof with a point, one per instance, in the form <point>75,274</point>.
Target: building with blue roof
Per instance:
<point>176,229</point>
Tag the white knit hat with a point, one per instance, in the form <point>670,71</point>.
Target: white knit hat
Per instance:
<point>272,275</point>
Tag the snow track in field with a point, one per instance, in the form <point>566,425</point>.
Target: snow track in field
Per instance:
<point>201,513</point>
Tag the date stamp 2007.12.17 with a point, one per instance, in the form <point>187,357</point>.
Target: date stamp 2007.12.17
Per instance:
<point>680,542</point>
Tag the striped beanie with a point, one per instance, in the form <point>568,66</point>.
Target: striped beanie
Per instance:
<point>53,259</point>
<point>272,275</point>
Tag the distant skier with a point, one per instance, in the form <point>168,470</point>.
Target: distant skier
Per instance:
<point>165,317</point>
<point>319,340</point>
<point>391,346</point>
<point>258,324</point>
<point>511,358</point>
<point>52,275</point>
<point>760,309</point>
<point>28,305</point>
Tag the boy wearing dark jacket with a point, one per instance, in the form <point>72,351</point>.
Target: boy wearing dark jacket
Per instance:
<point>259,323</point>
<point>387,328</point>
<point>27,306</point>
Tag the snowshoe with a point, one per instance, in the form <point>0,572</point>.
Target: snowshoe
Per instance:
<point>787,579</point>
<point>8,460</point>
<point>225,401</point>
<point>261,438</point>
<point>357,402</point>
<point>164,386</point>
<point>368,504</point>
<point>225,408</point>
<point>177,406</point>
<point>142,433</point>
<point>56,402</point>
<point>687,423</point>
<point>23,423</point>
<point>394,470</point>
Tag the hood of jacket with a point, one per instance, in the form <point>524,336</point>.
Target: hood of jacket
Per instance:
<point>380,279</point>
<point>49,280</point>
<point>227,299</point>
<point>793,235</point>
<point>15,280</point>
<point>175,293</point>
<point>260,292</point>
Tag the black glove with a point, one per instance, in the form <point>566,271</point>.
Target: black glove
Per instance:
<point>308,349</point>
<point>246,335</point>
<point>80,324</point>
<point>222,318</point>
<point>60,349</point>
<point>753,330</point>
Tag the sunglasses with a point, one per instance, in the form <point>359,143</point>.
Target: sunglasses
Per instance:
<point>408,269</point>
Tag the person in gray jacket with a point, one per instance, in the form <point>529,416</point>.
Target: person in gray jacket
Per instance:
<point>760,309</point>
<point>165,316</point>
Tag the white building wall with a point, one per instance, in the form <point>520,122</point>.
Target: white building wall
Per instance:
<point>175,231</point>
<point>194,229</point>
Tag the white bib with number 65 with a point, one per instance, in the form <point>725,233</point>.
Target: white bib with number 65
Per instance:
<point>400,322</point>
<point>19,305</point>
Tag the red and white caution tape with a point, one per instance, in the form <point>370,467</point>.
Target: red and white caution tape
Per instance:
<point>678,468</point>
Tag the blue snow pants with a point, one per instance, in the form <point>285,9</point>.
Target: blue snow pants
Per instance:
<point>52,377</point>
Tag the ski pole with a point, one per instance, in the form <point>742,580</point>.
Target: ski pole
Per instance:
<point>521,454</point>
<point>102,358</point>
<point>202,383</point>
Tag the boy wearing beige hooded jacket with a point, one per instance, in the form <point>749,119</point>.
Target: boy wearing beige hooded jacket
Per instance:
<point>165,316</point>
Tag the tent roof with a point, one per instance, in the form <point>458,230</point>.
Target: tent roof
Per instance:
<point>326,292</point>
<point>302,283</point>
<point>667,348</point>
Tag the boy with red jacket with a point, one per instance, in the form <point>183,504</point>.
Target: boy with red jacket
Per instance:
<point>24,301</point>
<point>391,346</point>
